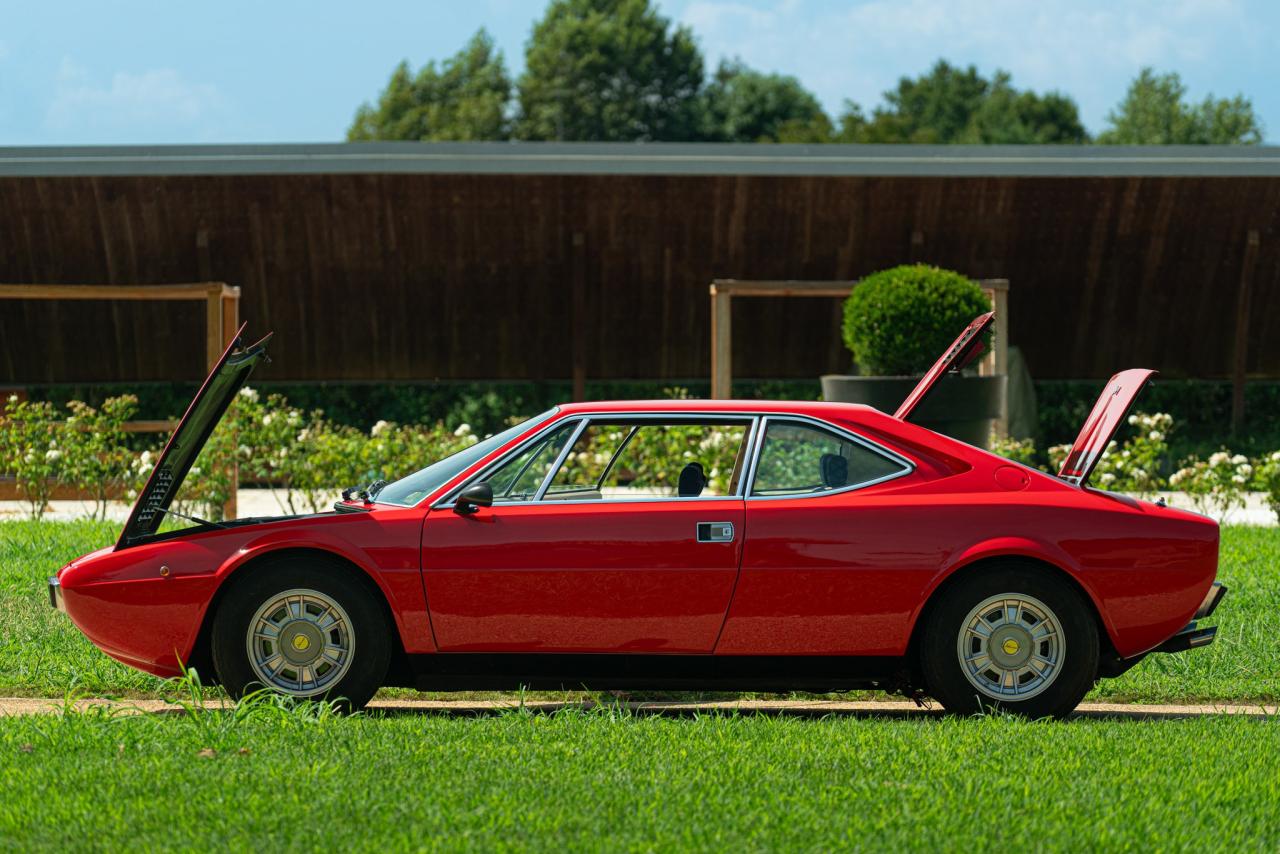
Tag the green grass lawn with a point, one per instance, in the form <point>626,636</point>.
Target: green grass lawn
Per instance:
<point>43,654</point>
<point>611,781</point>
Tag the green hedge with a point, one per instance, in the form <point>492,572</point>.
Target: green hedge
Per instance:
<point>1201,408</point>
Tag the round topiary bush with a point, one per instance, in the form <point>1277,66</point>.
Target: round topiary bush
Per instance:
<point>898,321</point>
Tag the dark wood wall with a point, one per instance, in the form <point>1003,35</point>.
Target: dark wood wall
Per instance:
<point>423,277</point>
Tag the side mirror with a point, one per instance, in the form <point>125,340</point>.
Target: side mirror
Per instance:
<point>472,498</point>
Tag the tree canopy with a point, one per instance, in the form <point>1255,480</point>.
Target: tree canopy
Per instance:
<point>1155,111</point>
<point>742,105</point>
<point>959,105</point>
<point>466,98</point>
<point>609,70</point>
<point>618,71</point>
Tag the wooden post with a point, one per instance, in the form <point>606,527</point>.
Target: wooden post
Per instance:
<point>996,362</point>
<point>721,344</point>
<point>579,312</point>
<point>214,337</point>
<point>1240,356</point>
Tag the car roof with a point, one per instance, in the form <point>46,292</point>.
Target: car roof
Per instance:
<point>794,407</point>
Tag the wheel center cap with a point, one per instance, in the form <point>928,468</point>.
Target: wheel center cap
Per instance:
<point>1011,646</point>
<point>301,642</point>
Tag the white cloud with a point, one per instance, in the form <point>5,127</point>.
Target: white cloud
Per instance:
<point>128,101</point>
<point>1087,48</point>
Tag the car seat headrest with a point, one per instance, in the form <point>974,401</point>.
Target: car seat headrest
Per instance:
<point>835,471</point>
<point>692,481</point>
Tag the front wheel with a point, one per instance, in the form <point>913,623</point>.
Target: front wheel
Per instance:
<point>1014,639</point>
<point>302,627</point>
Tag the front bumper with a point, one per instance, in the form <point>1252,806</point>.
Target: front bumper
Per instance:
<point>55,594</point>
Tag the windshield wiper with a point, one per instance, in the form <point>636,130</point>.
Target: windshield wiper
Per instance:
<point>195,519</point>
<point>366,493</point>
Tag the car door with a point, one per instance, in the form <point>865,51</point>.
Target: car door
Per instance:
<point>595,542</point>
<point>830,556</point>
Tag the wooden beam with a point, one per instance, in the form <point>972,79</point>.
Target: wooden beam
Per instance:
<point>1240,355</point>
<point>194,291</point>
<point>782,288</point>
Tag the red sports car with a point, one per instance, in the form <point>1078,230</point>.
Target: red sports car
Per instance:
<point>671,544</point>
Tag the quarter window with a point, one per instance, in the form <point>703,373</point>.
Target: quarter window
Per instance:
<point>801,459</point>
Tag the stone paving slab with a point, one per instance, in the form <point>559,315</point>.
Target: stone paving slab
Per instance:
<point>783,708</point>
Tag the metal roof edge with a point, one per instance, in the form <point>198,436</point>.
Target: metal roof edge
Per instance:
<point>553,158</point>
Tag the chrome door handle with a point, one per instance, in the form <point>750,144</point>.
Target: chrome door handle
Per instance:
<point>715,532</point>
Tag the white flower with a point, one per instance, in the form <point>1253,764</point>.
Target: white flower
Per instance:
<point>1239,478</point>
<point>195,471</point>
<point>1276,457</point>
<point>1133,419</point>
<point>304,434</point>
<point>1107,477</point>
<point>1244,469</point>
<point>1219,458</point>
<point>249,394</point>
<point>145,458</point>
<point>13,399</point>
<point>1177,477</point>
<point>52,454</point>
<point>1138,473</point>
<point>1155,436</point>
<point>266,419</point>
<point>1239,460</point>
<point>379,428</point>
<point>464,429</point>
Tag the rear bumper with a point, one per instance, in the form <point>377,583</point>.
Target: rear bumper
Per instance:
<point>55,595</point>
<point>1189,638</point>
<point>1211,599</point>
<point>1192,636</point>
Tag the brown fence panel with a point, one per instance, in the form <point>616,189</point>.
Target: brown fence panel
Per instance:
<point>434,276</point>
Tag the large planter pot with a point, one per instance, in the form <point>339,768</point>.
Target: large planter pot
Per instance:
<point>962,407</point>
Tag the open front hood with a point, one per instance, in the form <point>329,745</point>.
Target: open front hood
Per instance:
<point>204,413</point>
<point>961,352</point>
<point>1107,416</point>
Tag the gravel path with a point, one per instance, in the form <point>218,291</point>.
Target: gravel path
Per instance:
<point>792,708</point>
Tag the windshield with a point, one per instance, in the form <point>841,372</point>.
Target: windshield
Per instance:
<point>408,491</point>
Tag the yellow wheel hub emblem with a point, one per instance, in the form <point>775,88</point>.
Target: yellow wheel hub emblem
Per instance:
<point>1010,646</point>
<point>300,643</point>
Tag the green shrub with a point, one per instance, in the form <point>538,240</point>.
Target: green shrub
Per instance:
<point>898,321</point>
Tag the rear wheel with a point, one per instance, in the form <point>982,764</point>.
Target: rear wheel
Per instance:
<point>1015,639</point>
<point>303,627</point>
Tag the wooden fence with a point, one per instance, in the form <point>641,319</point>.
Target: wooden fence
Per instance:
<point>451,276</point>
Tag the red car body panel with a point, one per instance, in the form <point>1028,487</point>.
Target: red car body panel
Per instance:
<point>841,574</point>
<point>552,577</point>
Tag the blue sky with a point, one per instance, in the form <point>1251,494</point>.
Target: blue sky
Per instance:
<point>113,71</point>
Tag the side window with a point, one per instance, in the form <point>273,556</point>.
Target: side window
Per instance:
<point>801,459</point>
<point>520,476</point>
<point>640,459</point>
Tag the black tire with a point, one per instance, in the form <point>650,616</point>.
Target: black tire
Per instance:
<point>367,631</point>
<point>948,680</point>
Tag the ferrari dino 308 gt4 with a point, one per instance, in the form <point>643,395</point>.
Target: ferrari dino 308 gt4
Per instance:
<point>672,544</point>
